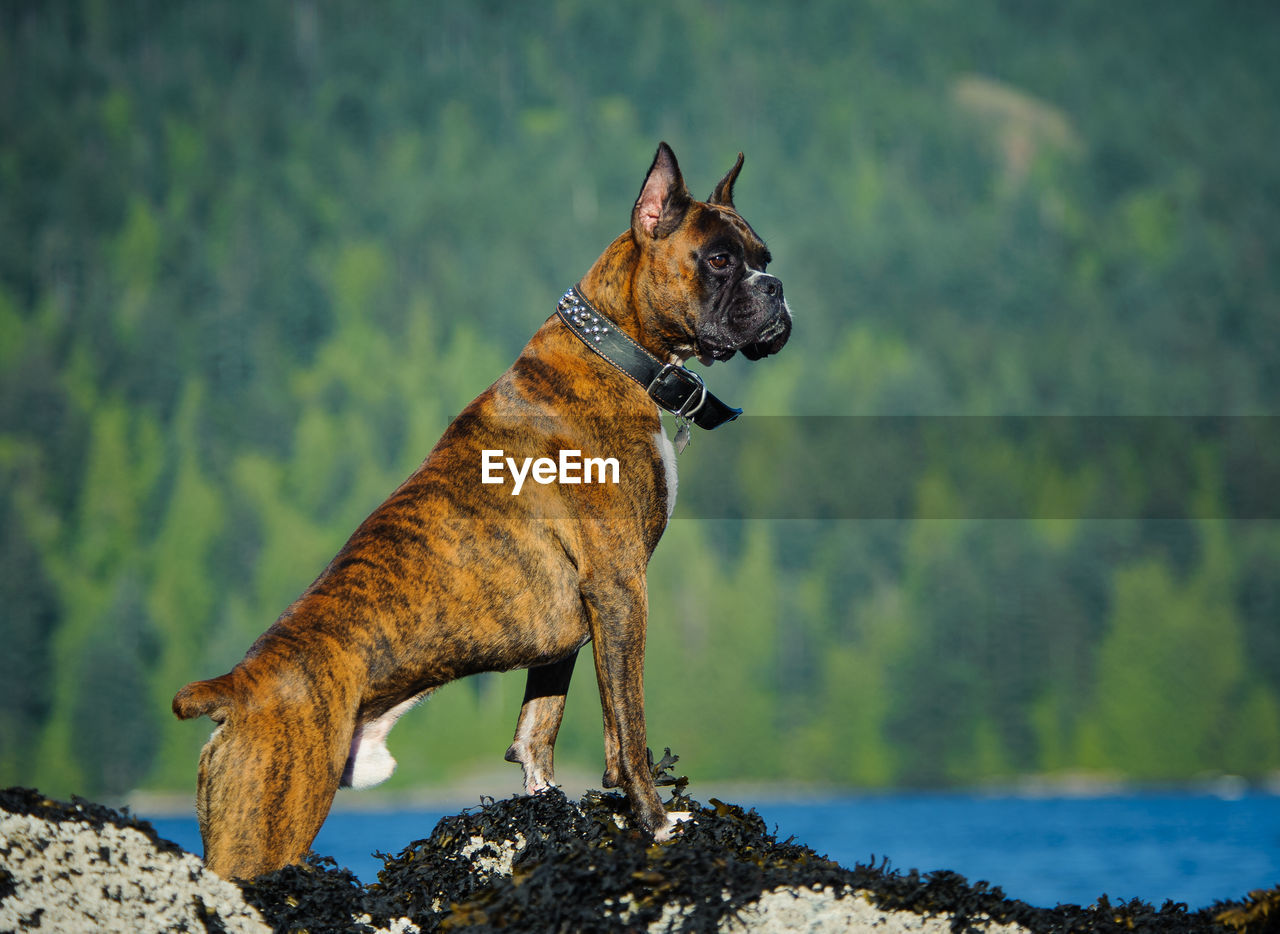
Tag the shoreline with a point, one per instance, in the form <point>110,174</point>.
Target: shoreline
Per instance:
<point>498,784</point>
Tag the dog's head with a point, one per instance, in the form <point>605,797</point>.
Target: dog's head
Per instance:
<point>702,269</point>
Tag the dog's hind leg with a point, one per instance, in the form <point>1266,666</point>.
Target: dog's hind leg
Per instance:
<point>534,744</point>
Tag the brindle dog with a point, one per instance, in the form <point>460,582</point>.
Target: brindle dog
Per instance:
<point>453,576</point>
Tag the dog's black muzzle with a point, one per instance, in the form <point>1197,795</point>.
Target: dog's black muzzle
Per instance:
<point>777,328</point>
<point>758,323</point>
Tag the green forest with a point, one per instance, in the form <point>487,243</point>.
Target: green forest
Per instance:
<point>255,256</point>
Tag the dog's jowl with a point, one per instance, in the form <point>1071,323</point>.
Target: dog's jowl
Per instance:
<point>453,575</point>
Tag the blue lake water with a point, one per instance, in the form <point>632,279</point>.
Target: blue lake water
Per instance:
<point>1192,848</point>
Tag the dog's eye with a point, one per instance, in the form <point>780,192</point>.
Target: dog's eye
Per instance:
<point>719,261</point>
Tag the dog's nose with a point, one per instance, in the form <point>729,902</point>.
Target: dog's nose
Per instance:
<point>770,286</point>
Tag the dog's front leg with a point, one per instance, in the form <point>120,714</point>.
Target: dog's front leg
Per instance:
<point>618,611</point>
<point>534,744</point>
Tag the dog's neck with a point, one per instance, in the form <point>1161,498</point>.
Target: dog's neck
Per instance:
<point>621,301</point>
<point>675,389</point>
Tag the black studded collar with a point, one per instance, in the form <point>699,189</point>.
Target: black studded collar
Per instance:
<point>675,388</point>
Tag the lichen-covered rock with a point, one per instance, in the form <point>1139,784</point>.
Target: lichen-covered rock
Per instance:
<point>786,910</point>
<point>82,867</point>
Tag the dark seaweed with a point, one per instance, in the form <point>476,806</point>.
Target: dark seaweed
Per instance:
<point>315,896</point>
<point>1257,914</point>
<point>580,870</point>
<point>8,884</point>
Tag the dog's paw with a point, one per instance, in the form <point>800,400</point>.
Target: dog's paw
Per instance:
<point>537,779</point>
<point>672,826</point>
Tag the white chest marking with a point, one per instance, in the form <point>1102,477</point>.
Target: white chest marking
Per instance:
<point>369,761</point>
<point>668,452</point>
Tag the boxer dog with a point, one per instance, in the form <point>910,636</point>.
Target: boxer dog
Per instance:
<point>479,562</point>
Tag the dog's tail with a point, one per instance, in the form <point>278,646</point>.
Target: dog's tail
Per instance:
<point>200,698</point>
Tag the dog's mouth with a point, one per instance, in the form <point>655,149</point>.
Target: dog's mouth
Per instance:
<point>707,352</point>
<point>772,337</point>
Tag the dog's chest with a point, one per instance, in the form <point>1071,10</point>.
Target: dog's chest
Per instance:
<point>667,453</point>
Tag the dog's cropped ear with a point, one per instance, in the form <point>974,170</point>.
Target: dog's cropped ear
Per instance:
<point>212,698</point>
<point>723,194</point>
<point>663,198</point>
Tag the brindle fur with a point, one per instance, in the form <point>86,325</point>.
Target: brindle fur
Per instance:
<point>450,577</point>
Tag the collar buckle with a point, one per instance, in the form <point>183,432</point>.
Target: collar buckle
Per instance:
<point>676,389</point>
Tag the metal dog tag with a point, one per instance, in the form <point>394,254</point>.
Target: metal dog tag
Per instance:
<point>682,435</point>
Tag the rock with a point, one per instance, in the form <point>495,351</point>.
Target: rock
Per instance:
<point>782,911</point>
<point>83,867</point>
<point>538,863</point>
